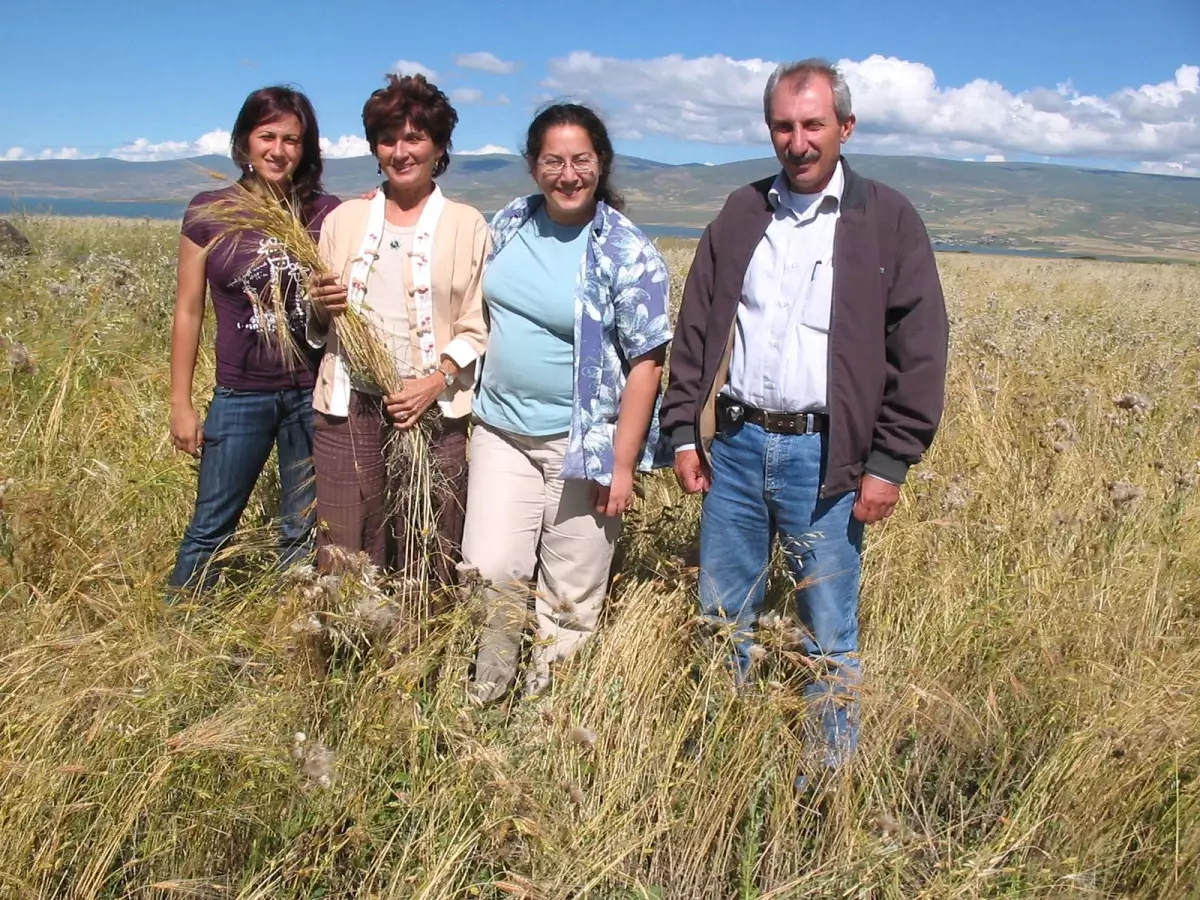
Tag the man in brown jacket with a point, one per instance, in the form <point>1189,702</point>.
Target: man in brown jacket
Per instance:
<point>807,375</point>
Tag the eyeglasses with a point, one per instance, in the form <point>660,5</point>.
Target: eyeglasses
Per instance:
<point>583,165</point>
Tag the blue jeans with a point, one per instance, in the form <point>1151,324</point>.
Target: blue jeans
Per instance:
<point>765,485</point>
<point>239,431</point>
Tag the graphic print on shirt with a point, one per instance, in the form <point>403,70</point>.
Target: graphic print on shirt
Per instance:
<point>273,270</point>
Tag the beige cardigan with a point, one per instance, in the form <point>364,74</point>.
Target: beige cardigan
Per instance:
<point>461,242</point>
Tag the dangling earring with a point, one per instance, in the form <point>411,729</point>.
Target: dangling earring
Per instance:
<point>379,169</point>
<point>250,166</point>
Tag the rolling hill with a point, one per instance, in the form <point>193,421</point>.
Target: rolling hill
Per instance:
<point>1027,205</point>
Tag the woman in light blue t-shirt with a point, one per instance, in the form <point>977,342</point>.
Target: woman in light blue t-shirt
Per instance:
<point>566,410</point>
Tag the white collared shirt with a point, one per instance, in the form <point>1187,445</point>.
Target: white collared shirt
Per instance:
<point>780,356</point>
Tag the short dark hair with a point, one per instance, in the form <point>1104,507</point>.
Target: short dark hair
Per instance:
<point>576,114</point>
<point>270,104</point>
<point>413,100</point>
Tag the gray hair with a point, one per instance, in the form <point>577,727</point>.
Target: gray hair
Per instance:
<point>801,72</point>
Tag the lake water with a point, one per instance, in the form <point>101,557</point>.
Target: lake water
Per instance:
<point>70,206</point>
<point>173,209</point>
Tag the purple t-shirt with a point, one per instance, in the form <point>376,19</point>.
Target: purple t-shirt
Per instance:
<point>236,267</point>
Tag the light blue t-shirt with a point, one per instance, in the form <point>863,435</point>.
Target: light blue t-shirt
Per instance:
<point>529,289</point>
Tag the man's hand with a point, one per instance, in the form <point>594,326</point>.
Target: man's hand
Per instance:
<point>690,471</point>
<point>408,404</point>
<point>876,499</point>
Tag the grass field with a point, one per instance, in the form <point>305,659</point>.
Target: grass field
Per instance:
<point>1031,622</point>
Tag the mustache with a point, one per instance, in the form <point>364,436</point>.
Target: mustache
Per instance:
<point>803,158</point>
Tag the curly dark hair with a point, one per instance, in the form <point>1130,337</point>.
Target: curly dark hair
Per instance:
<point>270,104</point>
<point>576,114</point>
<point>411,100</point>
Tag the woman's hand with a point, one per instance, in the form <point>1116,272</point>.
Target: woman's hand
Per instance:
<point>187,434</point>
<point>328,296</point>
<point>617,498</point>
<point>407,405</point>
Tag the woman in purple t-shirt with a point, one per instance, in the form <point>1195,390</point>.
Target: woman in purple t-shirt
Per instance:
<point>262,398</point>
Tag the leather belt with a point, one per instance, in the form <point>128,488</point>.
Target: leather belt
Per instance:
<point>773,422</point>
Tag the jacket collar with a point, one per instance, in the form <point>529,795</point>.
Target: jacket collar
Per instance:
<point>854,190</point>
<point>781,193</point>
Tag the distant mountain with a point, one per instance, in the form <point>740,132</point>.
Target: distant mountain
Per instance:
<point>1015,204</point>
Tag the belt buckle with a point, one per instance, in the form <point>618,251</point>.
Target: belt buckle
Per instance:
<point>810,423</point>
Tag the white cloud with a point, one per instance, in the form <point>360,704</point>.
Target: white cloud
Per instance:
<point>215,142</point>
<point>1189,165</point>
<point>211,142</point>
<point>484,150</point>
<point>710,99</point>
<point>994,157</point>
<point>345,146</point>
<point>502,99</point>
<point>141,150</point>
<point>14,154</point>
<point>409,67</point>
<point>900,106</point>
<point>908,145</point>
<point>466,95</point>
<point>1153,121</point>
<point>485,62</point>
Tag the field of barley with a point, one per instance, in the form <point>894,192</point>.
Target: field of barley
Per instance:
<point>1031,646</point>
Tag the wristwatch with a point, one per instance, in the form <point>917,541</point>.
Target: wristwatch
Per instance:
<point>448,378</point>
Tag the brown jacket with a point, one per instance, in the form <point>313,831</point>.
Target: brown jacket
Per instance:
<point>887,339</point>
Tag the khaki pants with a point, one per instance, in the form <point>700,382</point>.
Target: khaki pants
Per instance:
<point>522,521</point>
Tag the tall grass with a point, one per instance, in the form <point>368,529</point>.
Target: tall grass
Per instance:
<point>1031,716</point>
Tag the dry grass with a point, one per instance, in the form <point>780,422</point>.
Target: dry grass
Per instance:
<point>1032,721</point>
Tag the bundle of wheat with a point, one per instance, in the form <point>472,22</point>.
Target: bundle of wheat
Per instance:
<point>251,208</point>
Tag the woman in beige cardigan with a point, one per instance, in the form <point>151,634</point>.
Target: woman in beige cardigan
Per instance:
<point>413,261</point>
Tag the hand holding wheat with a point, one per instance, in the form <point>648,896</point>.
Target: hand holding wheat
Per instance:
<point>327,295</point>
<point>415,397</point>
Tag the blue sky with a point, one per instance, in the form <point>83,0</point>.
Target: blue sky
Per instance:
<point>1114,83</point>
